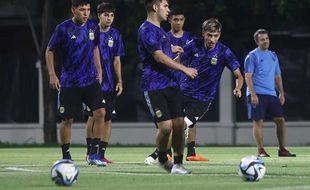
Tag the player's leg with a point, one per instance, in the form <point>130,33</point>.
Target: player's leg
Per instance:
<point>257,115</point>
<point>275,110</point>
<point>107,130</point>
<point>93,98</point>
<point>89,136</point>
<point>65,137</point>
<point>194,110</point>
<point>178,125</point>
<point>157,104</point>
<point>68,101</point>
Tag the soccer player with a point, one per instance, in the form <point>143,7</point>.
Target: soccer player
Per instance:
<point>111,49</point>
<point>179,38</point>
<point>263,77</point>
<point>81,72</point>
<point>209,57</point>
<point>160,86</point>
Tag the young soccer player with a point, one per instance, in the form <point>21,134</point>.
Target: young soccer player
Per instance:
<point>111,49</point>
<point>209,57</point>
<point>179,38</point>
<point>159,85</point>
<point>81,73</point>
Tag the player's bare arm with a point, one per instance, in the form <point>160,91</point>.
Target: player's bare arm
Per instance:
<point>54,81</point>
<point>239,83</point>
<point>249,82</point>
<point>98,63</point>
<point>279,86</point>
<point>159,56</point>
<point>118,73</point>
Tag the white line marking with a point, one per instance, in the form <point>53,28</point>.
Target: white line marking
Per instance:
<point>21,169</point>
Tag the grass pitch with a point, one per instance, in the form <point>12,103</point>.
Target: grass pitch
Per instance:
<point>28,169</point>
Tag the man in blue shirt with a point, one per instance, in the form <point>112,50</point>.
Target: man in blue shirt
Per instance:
<point>80,75</point>
<point>111,49</point>
<point>263,76</point>
<point>159,84</point>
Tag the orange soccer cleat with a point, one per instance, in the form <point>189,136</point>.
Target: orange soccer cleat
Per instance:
<point>197,157</point>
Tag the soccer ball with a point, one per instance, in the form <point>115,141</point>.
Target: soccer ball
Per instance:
<point>251,168</point>
<point>64,172</point>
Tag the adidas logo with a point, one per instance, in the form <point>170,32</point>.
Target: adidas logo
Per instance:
<point>103,101</point>
<point>73,37</point>
<point>114,112</point>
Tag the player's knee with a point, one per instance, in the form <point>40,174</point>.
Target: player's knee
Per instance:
<point>279,121</point>
<point>165,127</point>
<point>67,122</point>
<point>99,113</point>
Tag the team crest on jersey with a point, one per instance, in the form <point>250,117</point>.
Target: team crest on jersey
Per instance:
<point>158,114</point>
<point>91,34</point>
<point>214,60</point>
<point>62,109</point>
<point>110,42</point>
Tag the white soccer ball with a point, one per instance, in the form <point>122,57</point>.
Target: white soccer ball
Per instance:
<point>64,172</point>
<point>251,168</point>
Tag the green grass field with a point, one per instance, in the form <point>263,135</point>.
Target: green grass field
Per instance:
<point>28,169</point>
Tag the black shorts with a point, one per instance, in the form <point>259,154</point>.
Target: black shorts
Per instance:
<point>267,108</point>
<point>164,104</point>
<point>194,110</point>
<point>110,99</point>
<point>70,99</point>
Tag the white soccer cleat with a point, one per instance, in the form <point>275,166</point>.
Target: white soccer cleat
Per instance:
<point>166,166</point>
<point>179,170</point>
<point>149,161</point>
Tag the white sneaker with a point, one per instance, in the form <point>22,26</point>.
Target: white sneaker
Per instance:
<point>149,161</point>
<point>166,166</point>
<point>179,169</point>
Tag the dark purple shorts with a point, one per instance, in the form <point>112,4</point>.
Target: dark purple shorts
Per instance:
<point>268,107</point>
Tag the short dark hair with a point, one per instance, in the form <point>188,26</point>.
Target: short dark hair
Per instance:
<point>76,3</point>
<point>148,4</point>
<point>259,31</point>
<point>212,25</point>
<point>176,11</point>
<point>105,7</point>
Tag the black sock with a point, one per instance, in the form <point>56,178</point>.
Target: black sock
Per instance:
<point>66,151</point>
<point>102,147</point>
<point>191,149</point>
<point>162,157</point>
<point>94,146</point>
<point>154,154</point>
<point>88,143</point>
<point>169,152</point>
<point>178,159</point>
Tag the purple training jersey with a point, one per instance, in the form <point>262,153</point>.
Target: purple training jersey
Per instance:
<point>110,46</point>
<point>182,42</point>
<point>76,43</point>
<point>210,65</point>
<point>155,75</point>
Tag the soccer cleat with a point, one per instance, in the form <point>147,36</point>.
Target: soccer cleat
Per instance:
<point>107,161</point>
<point>87,160</point>
<point>262,153</point>
<point>179,169</point>
<point>149,161</point>
<point>95,160</point>
<point>197,157</point>
<point>166,166</point>
<point>285,153</point>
